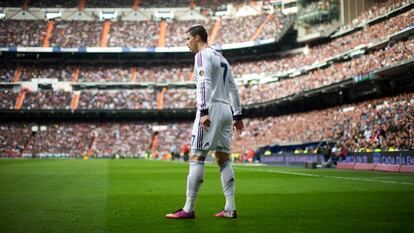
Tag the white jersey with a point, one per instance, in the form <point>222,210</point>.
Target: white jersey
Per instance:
<point>215,82</point>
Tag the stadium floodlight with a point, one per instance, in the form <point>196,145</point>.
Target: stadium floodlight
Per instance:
<point>53,14</point>
<point>111,15</point>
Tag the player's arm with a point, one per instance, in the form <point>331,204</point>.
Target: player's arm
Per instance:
<point>236,106</point>
<point>204,83</point>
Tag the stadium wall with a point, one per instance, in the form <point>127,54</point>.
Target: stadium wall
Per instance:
<point>400,157</point>
<point>391,158</point>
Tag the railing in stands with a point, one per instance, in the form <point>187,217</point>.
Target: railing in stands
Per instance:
<point>81,5</point>
<point>75,75</point>
<point>49,29</point>
<point>25,5</point>
<point>160,98</point>
<point>105,31</point>
<point>136,5</point>
<point>75,100</point>
<point>20,99</point>
<point>18,74</point>
<point>259,30</point>
<point>214,31</point>
<point>134,74</point>
<point>163,33</point>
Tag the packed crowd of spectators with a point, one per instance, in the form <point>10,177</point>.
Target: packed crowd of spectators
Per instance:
<point>386,123</point>
<point>99,73</point>
<point>383,123</point>
<point>180,98</point>
<point>104,74</point>
<point>8,98</point>
<point>73,34</point>
<point>276,26</point>
<point>182,73</point>
<point>164,74</point>
<point>394,53</point>
<point>28,33</point>
<point>321,52</point>
<point>176,31</point>
<point>47,99</point>
<point>73,139</point>
<point>379,7</point>
<point>7,73</point>
<point>125,34</point>
<point>118,99</point>
<point>119,3</point>
<point>131,34</point>
<point>247,26</point>
<point>61,73</point>
<point>54,3</point>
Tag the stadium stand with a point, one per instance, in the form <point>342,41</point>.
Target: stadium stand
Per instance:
<point>71,34</point>
<point>378,8</point>
<point>250,94</point>
<point>384,123</point>
<point>118,99</point>
<point>57,4</point>
<point>30,35</point>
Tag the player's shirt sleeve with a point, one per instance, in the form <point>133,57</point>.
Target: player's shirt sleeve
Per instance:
<point>204,67</point>
<point>235,98</point>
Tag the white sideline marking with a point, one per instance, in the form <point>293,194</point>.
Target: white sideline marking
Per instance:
<point>322,176</point>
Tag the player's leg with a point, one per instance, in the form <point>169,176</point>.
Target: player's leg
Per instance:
<point>228,184</point>
<point>196,172</point>
<point>194,179</point>
<point>222,154</point>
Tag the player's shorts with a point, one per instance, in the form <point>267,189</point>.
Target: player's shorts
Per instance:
<point>218,136</point>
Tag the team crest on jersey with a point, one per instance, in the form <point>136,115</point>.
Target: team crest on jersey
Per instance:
<point>201,72</point>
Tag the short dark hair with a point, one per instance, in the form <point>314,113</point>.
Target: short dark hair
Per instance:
<point>198,30</point>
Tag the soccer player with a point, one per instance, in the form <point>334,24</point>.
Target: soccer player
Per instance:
<point>215,120</point>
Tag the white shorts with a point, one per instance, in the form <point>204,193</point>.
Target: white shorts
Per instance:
<point>218,136</point>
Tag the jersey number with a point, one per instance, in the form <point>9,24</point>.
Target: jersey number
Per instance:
<point>224,65</point>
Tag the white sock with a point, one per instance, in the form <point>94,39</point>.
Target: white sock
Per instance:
<point>194,181</point>
<point>227,182</point>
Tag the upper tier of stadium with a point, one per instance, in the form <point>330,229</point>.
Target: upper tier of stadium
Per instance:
<point>142,24</point>
<point>358,54</point>
<point>116,3</point>
<point>139,27</point>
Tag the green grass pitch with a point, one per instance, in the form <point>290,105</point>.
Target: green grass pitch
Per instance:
<point>134,196</point>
